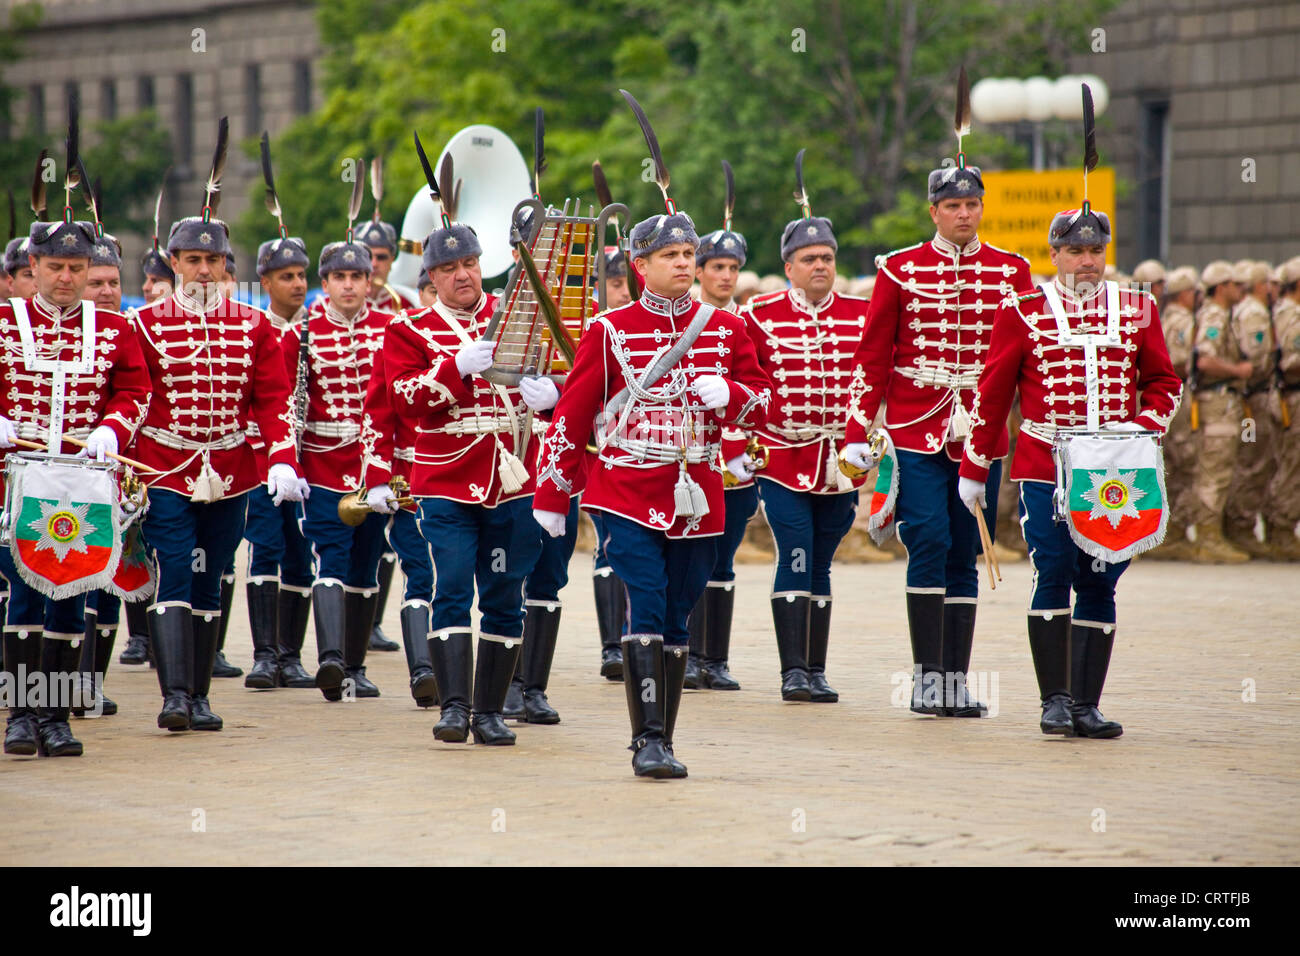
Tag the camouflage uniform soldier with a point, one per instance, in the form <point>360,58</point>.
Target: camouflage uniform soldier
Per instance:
<point>1150,275</point>
<point>1282,503</point>
<point>1179,323</point>
<point>1255,459</point>
<point>1221,370</point>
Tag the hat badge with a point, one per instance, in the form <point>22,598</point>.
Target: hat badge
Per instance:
<point>677,232</point>
<point>69,241</point>
<point>812,230</point>
<point>728,243</point>
<point>963,185</point>
<point>451,243</point>
<point>101,249</point>
<point>349,255</point>
<point>1087,232</point>
<point>205,238</point>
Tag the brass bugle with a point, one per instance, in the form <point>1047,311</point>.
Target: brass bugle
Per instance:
<point>877,442</point>
<point>757,453</point>
<point>353,509</point>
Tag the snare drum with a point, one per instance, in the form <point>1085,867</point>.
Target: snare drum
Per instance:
<point>62,521</point>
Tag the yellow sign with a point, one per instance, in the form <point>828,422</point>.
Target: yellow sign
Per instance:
<point>1019,205</point>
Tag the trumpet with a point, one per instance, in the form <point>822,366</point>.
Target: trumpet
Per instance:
<point>757,452</point>
<point>353,509</point>
<point>878,445</point>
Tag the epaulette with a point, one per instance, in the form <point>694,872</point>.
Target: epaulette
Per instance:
<point>882,259</point>
<point>1005,252</point>
<point>766,298</point>
<point>1025,297</point>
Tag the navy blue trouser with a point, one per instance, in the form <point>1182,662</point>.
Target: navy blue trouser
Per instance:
<point>741,504</point>
<point>30,610</point>
<point>807,528</point>
<point>107,608</point>
<point>551,573</point>
<point>495,548</point>
<point>345,554</point>
<point>412,552</point>
<point>276,546</point>
<point>193,543</point>
<point>936,527</point>
<point>664,576</point>
<point>1060,566</point>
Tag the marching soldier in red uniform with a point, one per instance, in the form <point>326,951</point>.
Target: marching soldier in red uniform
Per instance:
<point>805,338</point>
<point>474,492</point>
<point>214,364</point>
<point>658,378</point>
<point>18,264</point>
<point>926,342</point>
<point>344,340</point>
<point>1082,353</point>
<point>67,369</point>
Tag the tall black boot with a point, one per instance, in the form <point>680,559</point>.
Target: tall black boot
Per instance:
<point>207,635</point>
<point>415,640</point>
<point>96,650</point>
<point>611,613</point>
<point>721,598</point>
<point>294,608</point>
<point>644,685</point>
<point>137,634</point>
<point>59,661</point>
<point>1049,643</point>
<point>359,615</point>
<point>925,625</point>
<point>1090,649</point>
<point>222,667</point>
<point>513,708</point>
<point>541,631</point>
<point>676,662</point>
<point>492,673</point>
<point>328,610</point>
<point>263,613</point>
<point>84,698</point>
<point>171,635</point>
<point>453,668</point>
<point>104,638</point>
<point>790,618</point>
<point>819,638</point>
<point>697,625</point>
<point>22,656</point>
<point>376,639</point>
<point>958,638</point>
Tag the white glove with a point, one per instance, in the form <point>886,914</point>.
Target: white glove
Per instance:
<point>539,393</point>
<point>283,484</point>
<point>860,455</point>
<point>713,390</point>
<point>304,489</point>
<point>382,500</point>
<point>742,466</point>
<point>7,433</point>
<point>101,443</point>
<point>475,357</point>
<point>972,493</point>
<point>1122,427</point>
<point>552,522</point>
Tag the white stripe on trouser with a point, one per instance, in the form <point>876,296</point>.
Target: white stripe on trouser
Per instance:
<point>500,639</point>
<point>1104,626</point>
<point>643,638</point>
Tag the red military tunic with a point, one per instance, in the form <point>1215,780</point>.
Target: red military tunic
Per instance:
<point>806,349</point>
<point>927,340</point>
<point>388,439</point>
<point>105,384</point>
<point>342,352</point>
<point>641,449</point>
<point>283,328</point>
<point>463,425</point>
<point>735,441</point>
<point>1135,380</point>
<point>212,371</point>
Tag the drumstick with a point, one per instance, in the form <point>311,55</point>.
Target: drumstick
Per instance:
<point>22,443</point>
<point>990,559</point>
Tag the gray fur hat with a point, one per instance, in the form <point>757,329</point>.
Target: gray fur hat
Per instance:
<point>955,182</point>
<point>107,251</point>
<point>277,254</point>
<point>343,255</point>
<point>374,233</point>
<point>449,243</point>
<point>193,232</point>
<point>813,231</point>
<point>615,263</point>
<point>232,268</point>
<point>15,254</point>
<point>651,235</point>
<point>68,240</point>
<point>1075,227</point>
<point>156,264</point>
<point>722,244</point>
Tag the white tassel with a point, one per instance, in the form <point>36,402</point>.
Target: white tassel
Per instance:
<point>842,481</point>
<point>699,500</point>
<point>208,486</point>
<point>683,502</point>
<point>958,422</point>
<point>512,472</point>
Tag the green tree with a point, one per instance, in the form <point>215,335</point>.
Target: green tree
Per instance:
<point>18,149</point>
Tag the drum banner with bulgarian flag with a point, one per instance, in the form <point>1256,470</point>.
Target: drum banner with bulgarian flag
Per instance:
<point>1115,499</point>
<point>135,579</point>
<point>63,530</point>
<point>884,494</point>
